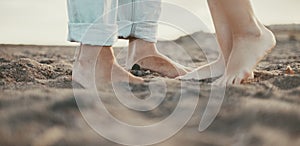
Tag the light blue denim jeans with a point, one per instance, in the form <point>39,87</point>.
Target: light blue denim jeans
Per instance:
<point>101,22</point>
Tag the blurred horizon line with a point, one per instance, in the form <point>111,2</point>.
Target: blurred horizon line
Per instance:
<point>123,42</point>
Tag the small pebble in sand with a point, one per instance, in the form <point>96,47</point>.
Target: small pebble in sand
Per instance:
<point>289,70</point>
<point>147,72</point>
<point>136,67</point>
<point>138,73</point>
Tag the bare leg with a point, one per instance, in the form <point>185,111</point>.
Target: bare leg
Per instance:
<point>147,56</point>
<point>107,69</point>
<point>251,41</point>
<point>243,39</point>
<point>224,37</point>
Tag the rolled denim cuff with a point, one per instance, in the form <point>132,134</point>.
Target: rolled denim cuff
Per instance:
<point>93,34</point>
<point>124,28</point>
<point>142,30</point>
<point>146,31</point>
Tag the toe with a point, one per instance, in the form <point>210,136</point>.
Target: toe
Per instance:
<point>251,75</point>
<point>238,80</point>
<point>230,80</point>
<point>246,75</point>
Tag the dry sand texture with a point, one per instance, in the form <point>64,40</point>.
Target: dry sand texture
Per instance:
<point>37,105</point>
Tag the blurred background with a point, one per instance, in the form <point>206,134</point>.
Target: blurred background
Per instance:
<point>44,22</point>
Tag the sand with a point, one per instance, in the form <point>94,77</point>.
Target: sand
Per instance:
<point>37,104</point>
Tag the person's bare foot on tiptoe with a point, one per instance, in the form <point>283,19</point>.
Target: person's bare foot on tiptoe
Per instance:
<point>244,41</point>
<point>146,55</point>
<point>247,51</point>
<point>107,70</point>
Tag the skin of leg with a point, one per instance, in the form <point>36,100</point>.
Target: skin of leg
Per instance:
<point>94,22</point>
<point>147,56</point>
<point>107,70</point>
<point>222,27</point>
<point>241,17</point>
<point>251,41</point>
<point>142,37</point>
<point>224,37</point>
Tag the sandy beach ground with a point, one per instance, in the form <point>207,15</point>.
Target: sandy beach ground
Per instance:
<point>38,108</point>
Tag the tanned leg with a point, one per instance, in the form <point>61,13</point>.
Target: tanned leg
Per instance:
<point>251,41</point>
<point>107,70</point>
<point>224,37</point>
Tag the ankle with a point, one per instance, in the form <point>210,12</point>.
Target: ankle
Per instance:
<point>88,53</point>
<point>139,46</point>
<point>106,53</point>
<point>253,31</point>
<point>247,34</point>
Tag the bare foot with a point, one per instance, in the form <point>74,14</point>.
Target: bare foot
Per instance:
<point>247,51</point>
<point>211,70</point>
<point>146,55</point>
<point>106,69</point>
